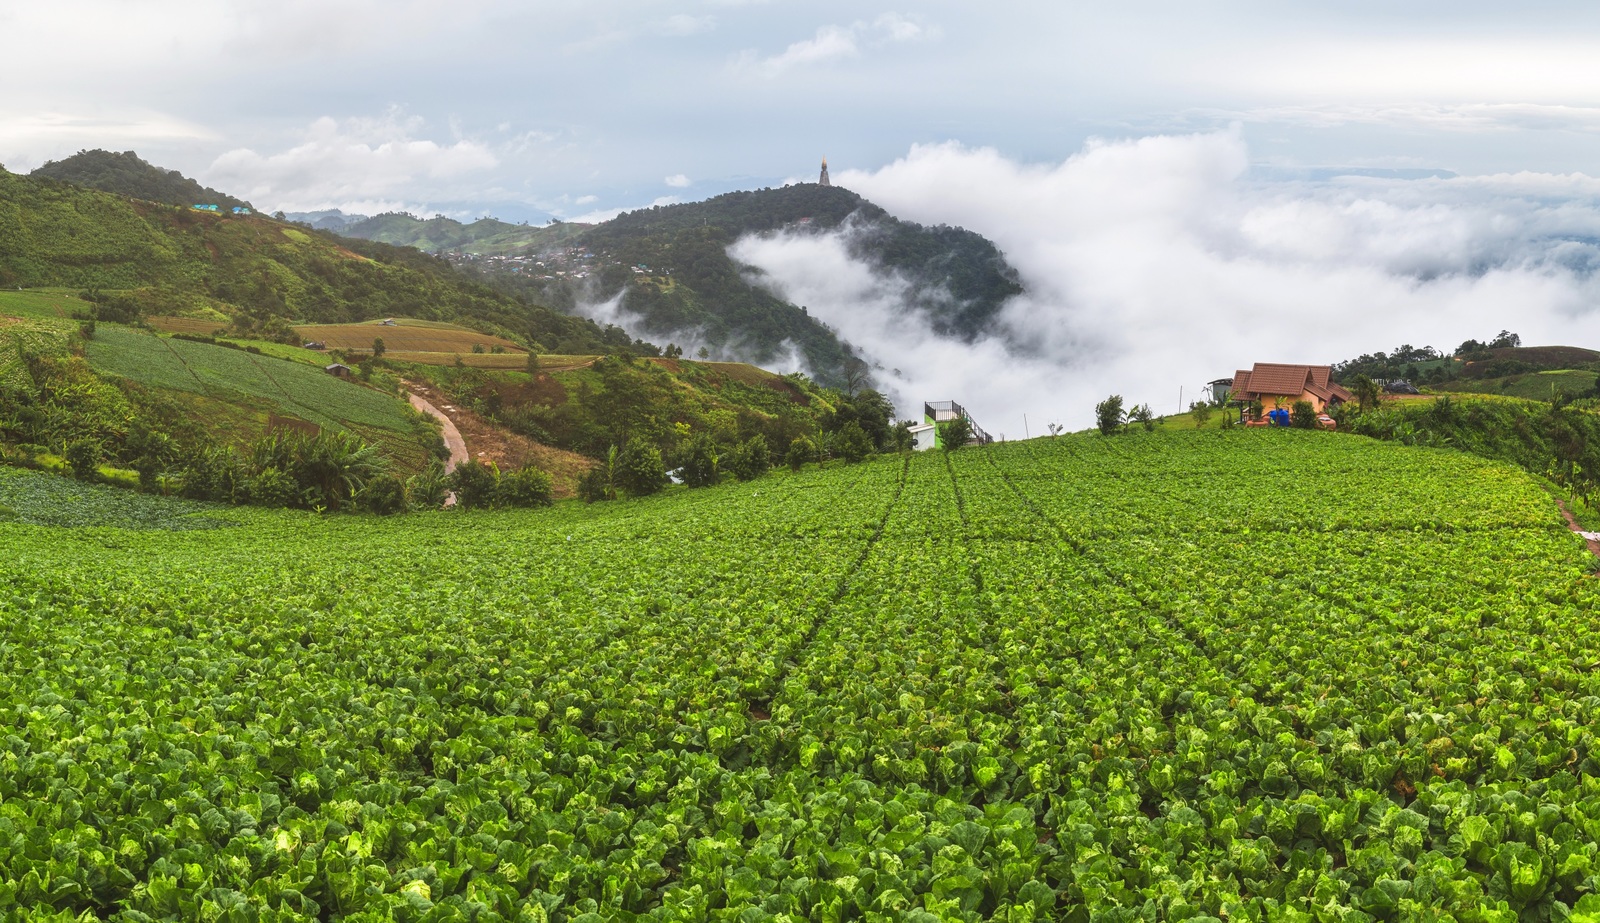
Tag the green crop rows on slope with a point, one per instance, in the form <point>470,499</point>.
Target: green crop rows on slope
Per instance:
<point>57,501</point>
<point>201,368</point>
<point>1241,675</point>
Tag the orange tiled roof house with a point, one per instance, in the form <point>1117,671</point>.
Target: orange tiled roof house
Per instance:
<point>1275,384</point>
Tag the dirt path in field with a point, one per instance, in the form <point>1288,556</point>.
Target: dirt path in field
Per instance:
<point>452,436</point>
<point>1593,538</point>
<point>471,436</point>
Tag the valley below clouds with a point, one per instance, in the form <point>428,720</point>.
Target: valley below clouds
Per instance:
<point>1161,263</point>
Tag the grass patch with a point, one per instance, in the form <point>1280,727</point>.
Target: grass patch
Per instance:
<point>48,305</point>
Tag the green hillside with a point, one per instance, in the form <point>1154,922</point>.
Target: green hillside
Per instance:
<point>486,237</point>
<point>1071,679</point>
<point>64,381</point>
<point>588,404</point>
<point>959,278</point>
<point>127,174</point>
<point>56,387</point>
<point>152,259</point>
<point>1533,385</point>
<point>1479,367</point>
<point>673,264</point>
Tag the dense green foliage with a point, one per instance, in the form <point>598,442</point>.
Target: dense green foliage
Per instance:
<point>750,459</point>
<point>851,443</point>
<point>955,434</point>
<point>1417,364</point>
<point>480,486</point>
<point>1071,679</point>
<point>523,488</point>
<point>667,403</point>
<point>1500,366</point>
<point>127,174</point>
<point>638,469</point>
<point>1558,441</point>
<point>801,452</point>
<point>474,484</point>
<point>327,471</point>
<point>167,259</point>
<point>1108,415</point>
<point>699,468</point>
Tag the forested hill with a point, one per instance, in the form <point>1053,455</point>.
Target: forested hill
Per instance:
<point>127,174</point>
<point>673,265</point>
<point>959,278</point>
<point>260,274</point>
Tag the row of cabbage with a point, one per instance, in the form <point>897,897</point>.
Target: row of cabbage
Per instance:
<point>1231,675</point>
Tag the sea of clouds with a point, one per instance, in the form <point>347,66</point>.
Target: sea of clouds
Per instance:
<point>1157,264</point>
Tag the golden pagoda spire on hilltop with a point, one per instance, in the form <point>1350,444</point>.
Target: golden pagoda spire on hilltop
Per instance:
<point>824,179</point>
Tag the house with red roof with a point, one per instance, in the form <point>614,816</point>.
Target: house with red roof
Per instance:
<point>1276,384</point>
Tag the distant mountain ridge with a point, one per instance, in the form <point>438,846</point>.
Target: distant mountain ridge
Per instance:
<point>667,266</point>
<point>672,267</point>
<point>328,219</point>
<point>127,174</point>
<point>484,237</point>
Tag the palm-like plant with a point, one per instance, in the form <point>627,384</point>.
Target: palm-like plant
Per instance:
<point>335,466</point>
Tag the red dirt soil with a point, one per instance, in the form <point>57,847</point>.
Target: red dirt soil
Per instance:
<point>487,442</point>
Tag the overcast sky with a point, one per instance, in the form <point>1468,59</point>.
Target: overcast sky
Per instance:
<point>530,109</point>
<point>1185,187</point>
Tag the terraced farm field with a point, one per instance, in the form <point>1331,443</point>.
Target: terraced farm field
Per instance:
<point>193,325</point>
<point>50,304</point>
<point>411,336</point>
<point>305,391</point>
<point>1241,675</point>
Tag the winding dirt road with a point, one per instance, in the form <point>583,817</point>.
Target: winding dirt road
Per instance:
<point>452,436</point>
<point>1592,538</point>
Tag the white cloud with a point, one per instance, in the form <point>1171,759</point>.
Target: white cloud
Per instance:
<point>1160,263</point>
<point>833,42</point>
<point>343,162</point>
<point>1464,117</point>
<point>682,24</point>
<point>677,181</point>
<point>606,214</point>
<point>1500,67</point>
<point>29,139</point>
<point>586,200</point>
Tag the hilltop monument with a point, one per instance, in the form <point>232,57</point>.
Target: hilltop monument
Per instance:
<point>823,180</point>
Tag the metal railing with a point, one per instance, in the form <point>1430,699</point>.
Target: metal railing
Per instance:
<point>937,412</point>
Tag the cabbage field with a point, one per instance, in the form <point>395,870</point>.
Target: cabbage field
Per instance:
<point>1274,676</point>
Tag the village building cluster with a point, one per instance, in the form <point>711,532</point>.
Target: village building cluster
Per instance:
<point>548,266</point>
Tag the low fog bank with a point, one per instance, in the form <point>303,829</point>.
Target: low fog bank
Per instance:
<point>1159,263</point>
<point>614,311</point>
